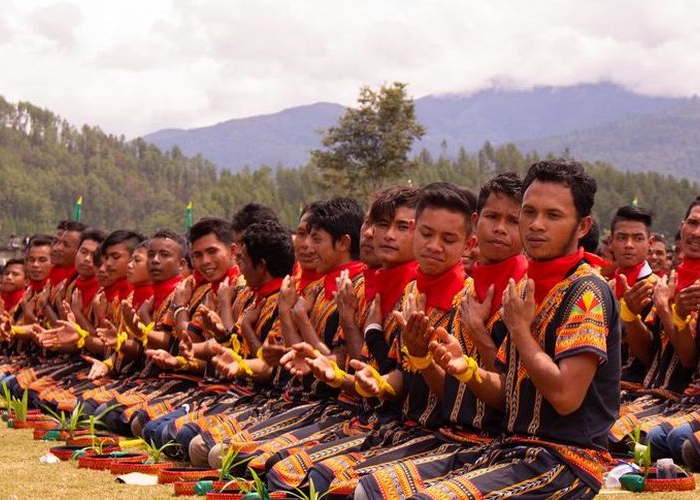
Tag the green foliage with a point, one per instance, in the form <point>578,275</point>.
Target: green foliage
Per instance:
<point>6,397</point>
<point>20,407</point>
<point>370,144</point>
<point>155,452</point>
<point>229,462</point>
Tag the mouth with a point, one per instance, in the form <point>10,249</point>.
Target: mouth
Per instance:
<point>498,243</point>
<point>388,248</point>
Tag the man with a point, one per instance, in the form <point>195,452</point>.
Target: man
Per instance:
<point>560,385</point>
<point>12,286</point>
<point>63,249</point>
<point>658,255</point>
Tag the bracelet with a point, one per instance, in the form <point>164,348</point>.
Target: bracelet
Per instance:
<point>680,323</point>
<point>16,330</point>
<point>183,363</point>
<point>108,363</point>
<point>339,376</point>
<point>178,311</point>
<point>121,338</point>
<point>417,363</point>
<point>625,314</point>
<point>146,329</point>
<point>174,307</point>
<point>472,371</point>
<point>82,335</point>
<point>259,354</point>
<point>241,362</point>
<point>361,391</point>
<point>384,386</point>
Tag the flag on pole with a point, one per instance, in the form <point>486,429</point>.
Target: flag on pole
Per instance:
<point>635,202</point>
<point>188,215</point>
<point>77,208</point>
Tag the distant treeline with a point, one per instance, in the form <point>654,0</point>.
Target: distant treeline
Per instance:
<point>46,164</point>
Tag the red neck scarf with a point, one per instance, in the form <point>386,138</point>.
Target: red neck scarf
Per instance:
<point>121,290</point>
<point>354,268</point>
<point>232,273</point>
<point>688,273</point>
<point>595,260</point>
<point>267,289</point>
<point>305,277</point>
<point>162,290</point>
<point>141,294</point>
<point>440,290</point>
<point>59,274</point>
<point>11,299</point>
<point>631,273</point>
<point>497,274</point>
<point>548,273</point>
<point>88,288</point>
<point>371,283</point>
<point>38,286</point>
<point>391,283</point>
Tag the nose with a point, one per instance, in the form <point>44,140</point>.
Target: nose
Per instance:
<point>537,223</point>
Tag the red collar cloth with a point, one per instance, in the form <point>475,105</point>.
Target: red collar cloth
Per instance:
<point>88,288</point>
<point>38,286</point>
<point>440,290</point>
<point>305,277</point>
<point>268,289</point>
<point>371,282</point>
<point>121,290</point>
<point>633,274</point>
<point>595,260</point>
<point>688,273</point>
<point>141,294</point>
<point>548,273</point>
<point>390,283</point>
<point>232,273</point>
<point>162,290</point>
<point>498,275</point>
<point>59,274</point>
<point>354,268</point>
<point>11,299</point>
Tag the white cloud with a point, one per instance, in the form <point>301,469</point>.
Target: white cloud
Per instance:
<point>134,67</point>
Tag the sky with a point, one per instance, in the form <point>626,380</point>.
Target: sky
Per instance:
<point>134,67</point>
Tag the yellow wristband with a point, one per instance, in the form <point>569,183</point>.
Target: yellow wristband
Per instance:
<point>339,376</point>
<point>16,330</point>
<point>384,386</point>
<point>121,338</point>
<point>82,335</point>
<point>472,371</point>
<point>259,354</point>
<point>361,391</point>
<point>680,323</point>
<point>241,363</point>
<point>625,314</point>
<point>417,363</point>
<point>182,363</point>
<point>108,363</point>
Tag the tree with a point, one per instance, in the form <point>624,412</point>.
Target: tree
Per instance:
<point>370,145</point>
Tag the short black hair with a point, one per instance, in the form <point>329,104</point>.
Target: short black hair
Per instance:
<point>212,225</point>
<point>571,174</point>
<point>591,240</point>
<point>449,197</point>
<point>92,234</point>
<point>388,200</point>
<point>693,204</point>
<point>40,240</point>
<point>632,213</point>
<point>309,207</point>
<point>338,217</point>
<point>130,239</point>
<point>272,242</point>
<point>169,234</point>
<point>71,225</point>
<point>508,183</point>
<point>658,237</point>
<point>250,214</point>
<point>14,262</point>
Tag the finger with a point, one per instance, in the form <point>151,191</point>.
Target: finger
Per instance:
<point>357,365</point>
<point>623,282</point>
<point>489,294</point>
<point>399,317</point>
<point>529,290</point>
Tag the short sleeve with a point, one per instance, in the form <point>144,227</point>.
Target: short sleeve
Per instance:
<point>585,325</point>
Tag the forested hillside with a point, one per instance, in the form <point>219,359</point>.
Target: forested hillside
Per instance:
<point>45,164</point>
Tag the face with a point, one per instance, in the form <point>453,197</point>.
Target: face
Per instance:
<point>469,257</point>
<point>440,239</point>
<point>630,243</point>
<point>64,247</point>
<point>497,229</point>
<point>103,278</point>
<point>116,260</point>
<point>211,257</point>
<point>690,234</point>
<point>38,263</point>
<point>549,225</point>
<point>393,239</point>
<point>84,259</point>
<point>254,274</point>
<point>329,254</point>
<point>658,256</point>
<point>303,250</point>
<point>137,268</point>
<point>367,253</point>
<point>12,278</point>
<point>164,259</point>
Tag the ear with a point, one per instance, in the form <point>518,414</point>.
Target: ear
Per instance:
<point>584,226</point>
<point>470,243</point>
<point>181,265</point>
<point>475,221</point>
<point>344,243</point>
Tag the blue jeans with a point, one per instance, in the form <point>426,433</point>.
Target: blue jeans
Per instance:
<point>668,443</point>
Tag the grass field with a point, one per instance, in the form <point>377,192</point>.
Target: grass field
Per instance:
<point>23,477</point>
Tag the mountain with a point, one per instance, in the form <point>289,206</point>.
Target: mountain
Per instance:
<point>552,115</point>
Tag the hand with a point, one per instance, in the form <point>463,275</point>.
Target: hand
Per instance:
<point>108,333</point>
<point>252,314</point>
<point>475,314</point>
<point>183,292</point>
<point>145,311</point>
<point>295,361</point>
<point>272,353</point>
<point>100,306</point>
<point>186,348</point>
<point>76,301</point>
<point>447,352</point>
<point>415,334</point>
<point>374,313</point>
<point>211,321</point>
<point>162,358</point>
<point>98,368</point>
<point>638,296</point>
<point>288,295</point>
<point>519,313</point>
<point>60,295</point>
<point>224,361</point>
<point>225,294</point>
<point>131,320</point>
<point>345,297</point>
<point>321,367</point>
<point>64,335</point>
<point>364,377</point>
<point>688,299</point>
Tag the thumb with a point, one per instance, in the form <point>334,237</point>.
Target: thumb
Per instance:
<point>624,282</point>
<point>357,365</point>
<point>441,335</point>
<point>489,294</point>
<point>530,290</point>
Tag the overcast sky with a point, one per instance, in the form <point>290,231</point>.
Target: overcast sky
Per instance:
<point>133,67</point>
